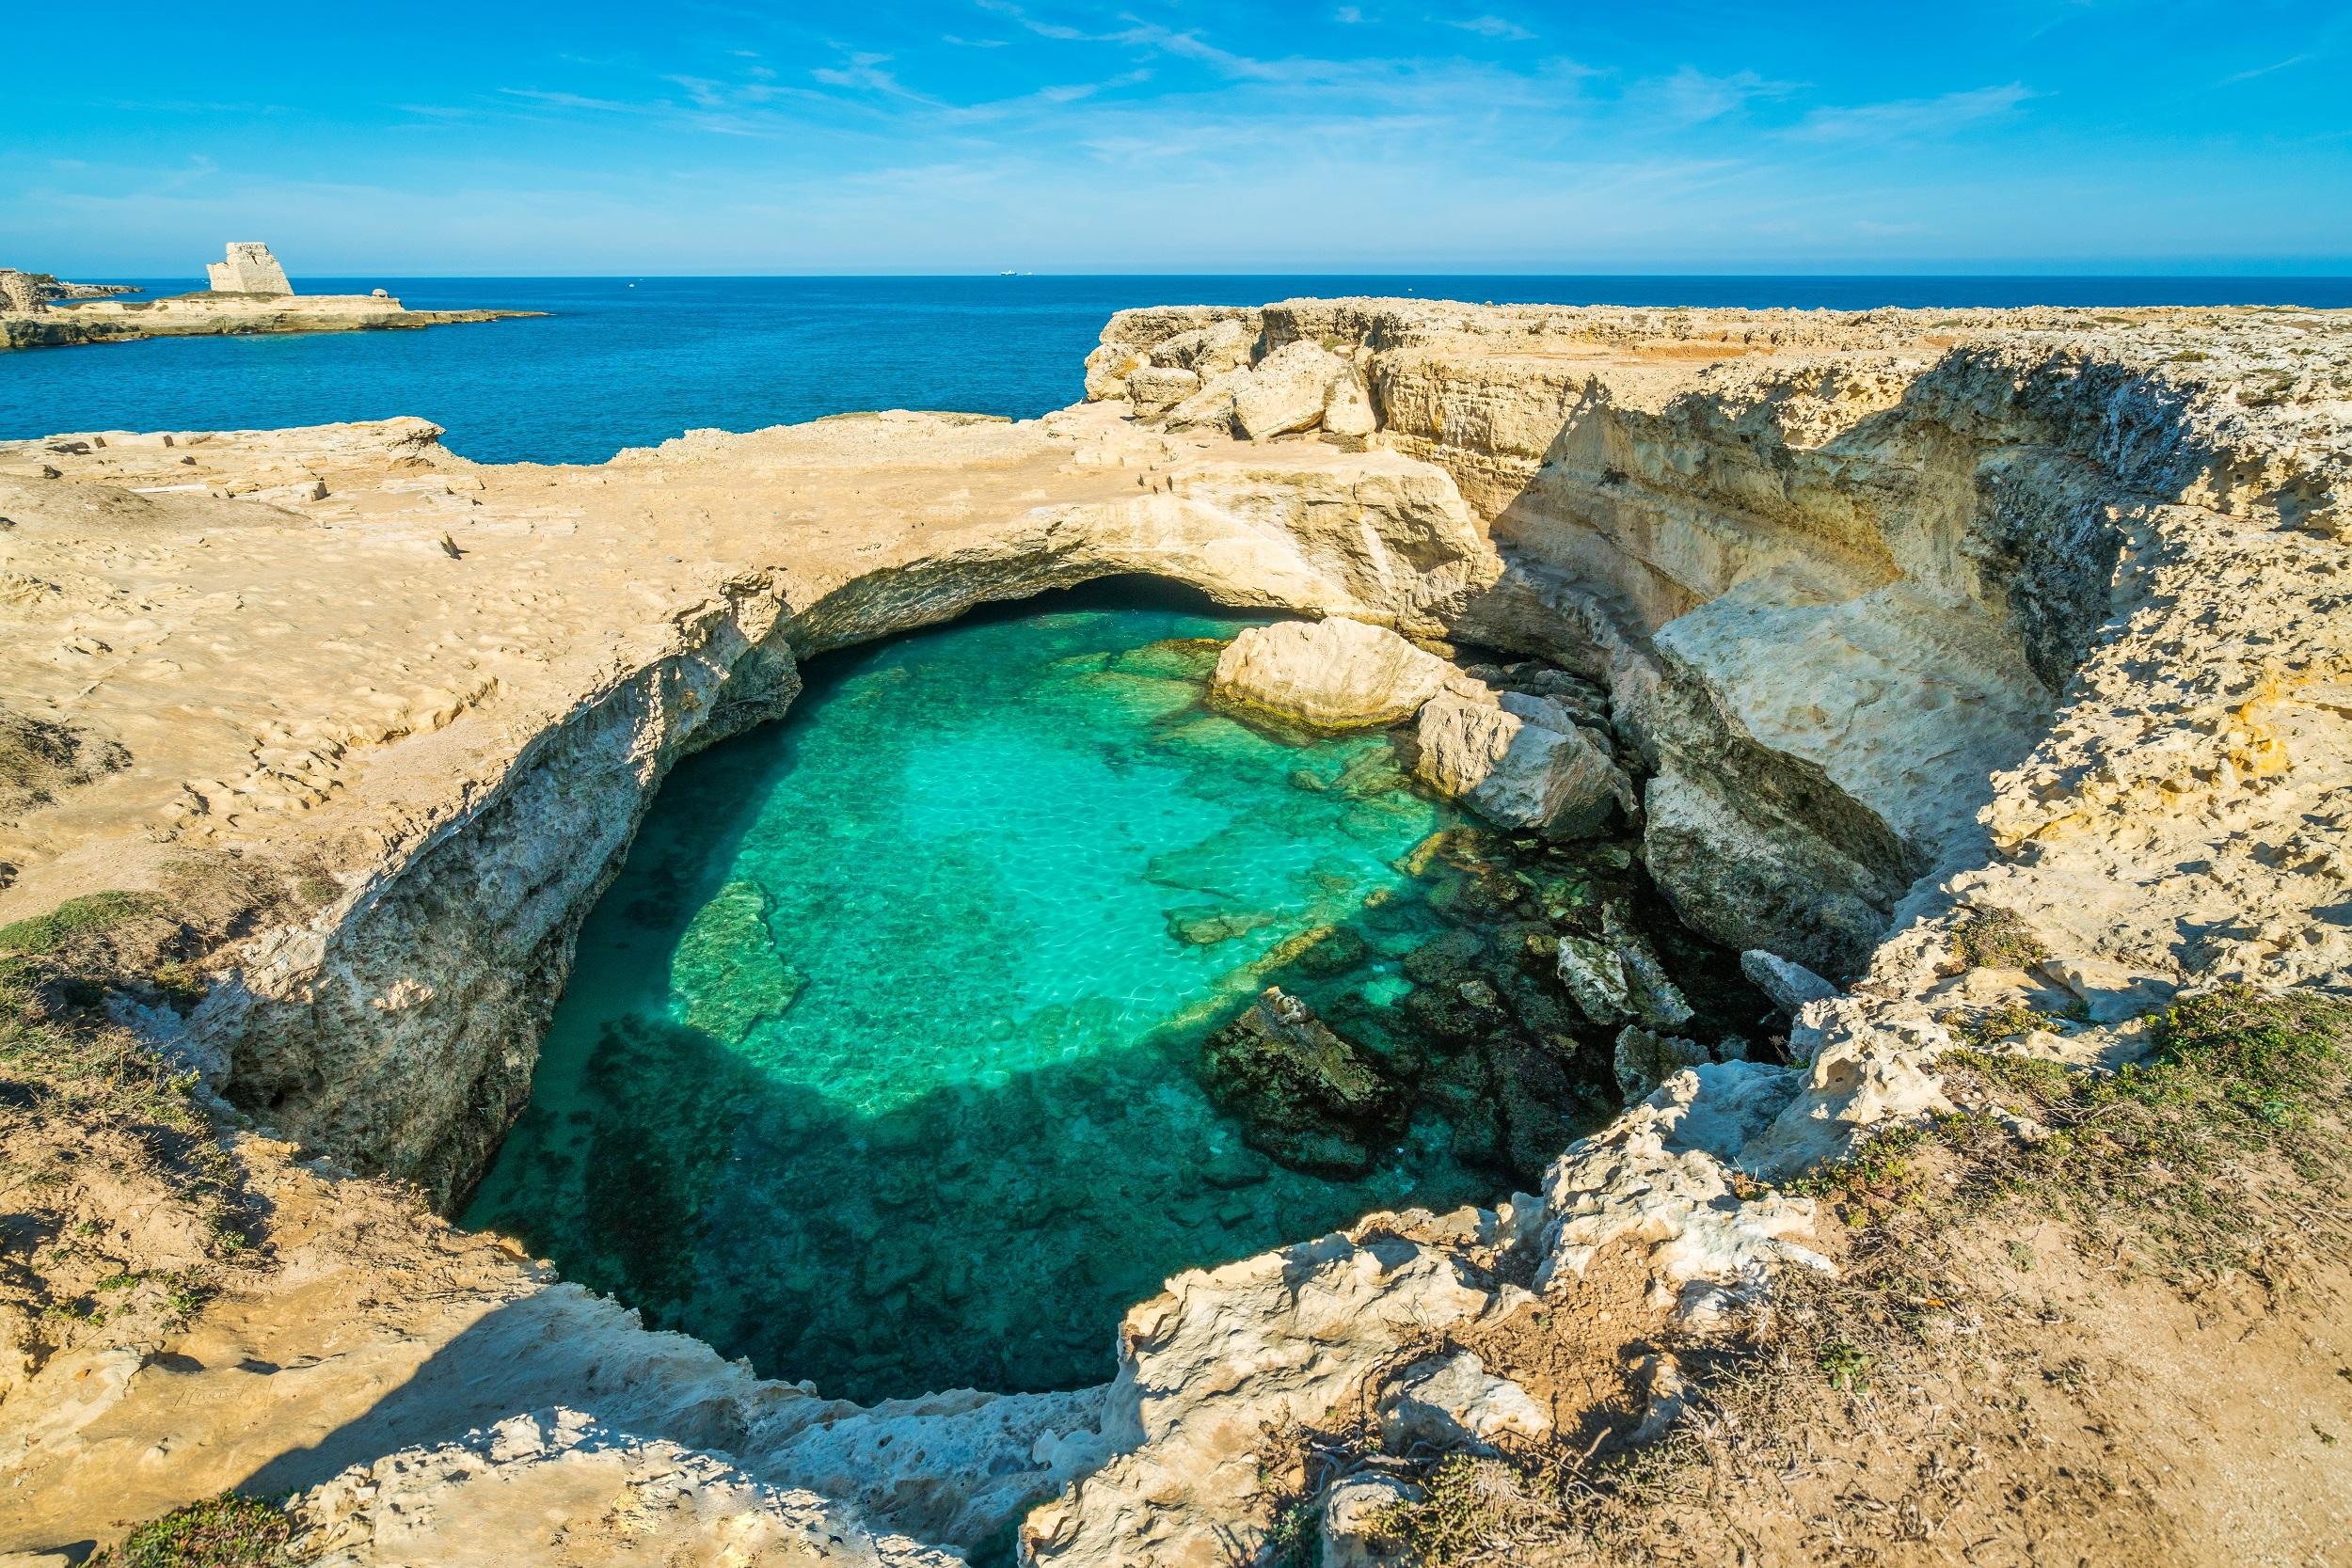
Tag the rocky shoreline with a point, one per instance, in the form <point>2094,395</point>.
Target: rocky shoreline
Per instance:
<point>1907,620</point>
<point>212,315</point>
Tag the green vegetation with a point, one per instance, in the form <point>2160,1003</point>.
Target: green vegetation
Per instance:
<point>1481,1510</point>
<point>2187,1160</point>
<point>1847,1366</point>
<point>75,917</point>
<point>2237,1073</point>
<point>63,1060</point>
<point>231,1530</point>
<point>1999,939</point>
<point>1989,1028</point>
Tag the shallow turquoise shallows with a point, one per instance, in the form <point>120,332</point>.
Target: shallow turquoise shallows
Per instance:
<point>877,1065</point>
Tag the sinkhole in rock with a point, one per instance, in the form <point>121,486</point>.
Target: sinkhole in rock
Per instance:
<point>890,1060</point>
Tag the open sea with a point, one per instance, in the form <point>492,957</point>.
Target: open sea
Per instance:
<point>626,362</point>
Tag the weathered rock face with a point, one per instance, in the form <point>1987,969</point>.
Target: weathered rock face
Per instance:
<point>1836,577</point>
<point>1332,675</point>
<point>1282,1336</point>
<point>1516,772</point>
<point>250,269</point>
<point>519,1491</point>
<point>1286,391</point>
<point>1155,391</point>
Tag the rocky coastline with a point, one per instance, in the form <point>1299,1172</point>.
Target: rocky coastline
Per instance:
<point>210,315</point>
<point>249,295</point>
<point>1876,627</point>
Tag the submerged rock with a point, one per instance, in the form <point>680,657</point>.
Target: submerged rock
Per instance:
<point>1205,927</point>
<point>1308,1097</point>
<point>1332,675</point>
<point>1321,950</point>
<point>728,972</point>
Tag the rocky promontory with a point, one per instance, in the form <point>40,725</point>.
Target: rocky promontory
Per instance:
<point>1977,674</point>
<point>249,294</point>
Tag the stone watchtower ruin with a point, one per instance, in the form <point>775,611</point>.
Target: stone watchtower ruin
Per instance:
<point>19,292</point>
<point>250,270</point>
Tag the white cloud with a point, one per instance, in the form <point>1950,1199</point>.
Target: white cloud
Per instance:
<point>1910,119</point>
<point>1493,27</point>
<point>2265,70</point>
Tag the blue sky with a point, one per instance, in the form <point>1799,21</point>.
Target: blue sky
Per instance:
<point>1191,136</point>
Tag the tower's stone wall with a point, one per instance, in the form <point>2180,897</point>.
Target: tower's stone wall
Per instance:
<point>19,292</point>
<point>250,269</point>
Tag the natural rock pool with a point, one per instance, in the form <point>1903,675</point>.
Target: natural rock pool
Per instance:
<point>883,1062</point>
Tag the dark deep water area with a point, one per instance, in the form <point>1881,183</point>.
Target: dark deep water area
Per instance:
<point>883,1062</point>
<point>633,361</point>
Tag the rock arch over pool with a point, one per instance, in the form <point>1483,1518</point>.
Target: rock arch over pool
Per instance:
<point>880,1062</point>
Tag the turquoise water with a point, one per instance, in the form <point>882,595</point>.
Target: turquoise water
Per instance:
<point>632,362</point>
<point>881,1060</point>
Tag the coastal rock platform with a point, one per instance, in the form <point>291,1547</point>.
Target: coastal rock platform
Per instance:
<point>218,315</point>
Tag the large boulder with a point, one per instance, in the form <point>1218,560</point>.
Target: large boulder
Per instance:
<point>1305,1095</point>
<point>1212,407</point>
<point>1155,389</point>
<point>1107,369</point>
<point>1287,390</point>
<point>1348,420</point>
<point>1331,674</point>
<point>1518,773</point>
<point>1207,351</point>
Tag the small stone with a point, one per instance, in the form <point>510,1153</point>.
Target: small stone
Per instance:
<point>1453,1403</point>
<point>1790,985</point>
<point>1351,1513</point>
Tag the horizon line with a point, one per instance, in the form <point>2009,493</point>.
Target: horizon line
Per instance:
<point>2345,274</point>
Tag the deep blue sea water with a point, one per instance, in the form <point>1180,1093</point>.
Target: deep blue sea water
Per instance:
<point>629,362</point>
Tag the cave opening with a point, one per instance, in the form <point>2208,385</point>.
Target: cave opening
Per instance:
<point>909,1046</point>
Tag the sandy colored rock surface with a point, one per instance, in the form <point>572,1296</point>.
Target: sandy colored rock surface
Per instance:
<point>1515,771</point>
<point>1334,674</point>
<point>212,315</point>
<point>1902,615</point>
